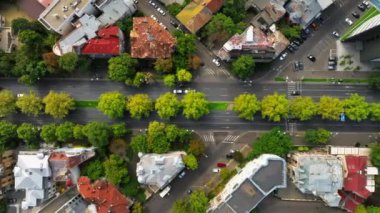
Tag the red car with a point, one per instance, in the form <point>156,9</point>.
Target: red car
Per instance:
<point>221,165</point>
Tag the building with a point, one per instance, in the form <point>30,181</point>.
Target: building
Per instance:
<point>149,40</point>
<point>7,40</point>
<point>104,195</point>
<point>268,12</point>
<point>7,162</point>
<point>33,174</point>
<point>169,2</point>
<point>263,47</point>
<point>251,185</point>
<point>198,13</point>
<point>158,170</point>
<point>79,20</point>
<point>109,42</point>
<point>304,12</point>
<point>45,3</point>
<point>319,174</point>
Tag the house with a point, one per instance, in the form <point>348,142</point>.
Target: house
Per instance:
<point>169,2</point>
<point>198,13</point>
<point>158,170</point>
<point>80,20</point>
<point>256,180</point>
<point>319,174</point>
<point>304,12</point>
<point>33,174</point>
<point>7,162</point>
<point>149,40</point>
<point>104,195</point>
<point>7,39</point>
<point>267,12</point>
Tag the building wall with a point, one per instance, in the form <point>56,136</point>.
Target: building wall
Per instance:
<point>7,162</point>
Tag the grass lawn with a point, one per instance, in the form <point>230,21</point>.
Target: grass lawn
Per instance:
<point>86,104</point>
<point>369,14</point>
<point>218,106</point>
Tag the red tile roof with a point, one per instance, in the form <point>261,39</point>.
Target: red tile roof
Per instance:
<point>214,5</point>
<point>69,162</point>
<point>356,179</point>
<point>150,40</point>
<point>108,42</point>
<point>104,195</point>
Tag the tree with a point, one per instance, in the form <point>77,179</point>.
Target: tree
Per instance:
<point>243,67</point>
<point>47,133</point>
<point>273,142</point>
<point>198,202</point>
<point>174,9</point>
<point>171,133</point>
<point>196,147</point>
<point>115,169</point>
<point>233,9</point>
<point>246,105</point>
<point>7,134</point>
<point>112,104</point>
<point>68,62</point>
<point>374,110</point>
<point>356,108</point>
<point>28,133</point>
<point>119,130</point>
<point>375,154</point>
<point>291,32</point>
<point>58,105</point>
<point>190,162</point>
<point>169,80</point>
<point>139,105</point>
<point>33,71</point>
<point>156,138</point>
<point>374,80</point>
<point>122,67</point>
<point>93,170</point>
<point>137,207</point>
<point>183,135</point>
<point>302,108</point>
<point>139,79</point>
<point>78,132</point>
<point>185,44</point>
<point>274,107</point>
<point>139,143</point>
<point>7,103</point>
<point>97,133</point>
<point>184,75</point>
<point>221,27</point>
<point>330,108</point>
<point>195,105</point>
<point>7,62</point>
<point>20,24</point>
<point>51,61</point>
<point>180,206</point>
<point>167,105</point>
<point>30,104</point>
<point>317,136</point>
<point>64,131</point>
<point>29,37</point>
<point>163,65</point>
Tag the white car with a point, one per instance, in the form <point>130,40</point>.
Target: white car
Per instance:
<point>283,56</point>
<point>348,21</point>
<point>186,91</point>
<point>216,170</point>
<point>366,3</point>
<point>182,174</point>
<point>20,95</point>
<point>216,62</point>
<point>177,91</point>
<point>335,33</point>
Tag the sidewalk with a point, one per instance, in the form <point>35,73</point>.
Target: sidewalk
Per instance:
<point>342,139</point>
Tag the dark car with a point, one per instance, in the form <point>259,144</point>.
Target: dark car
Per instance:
<point>362,7</point>
<point>297,42</point>
<point>290,49</point>
<point>296,66</point>
<point>229,156</point>
<point>355,14</point>
<point>295,93</point>
<point>311,58</point>
<point>300,66</point>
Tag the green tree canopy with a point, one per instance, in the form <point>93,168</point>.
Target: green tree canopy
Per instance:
<point>180,206</point>
<point>184,75</point>
<point>115,169</point>
<point>190,162</point>
<point>139,105</point>
<point>330,108</point>
<point>58,105</point>
<point>196,147</point>
<point>243,67</point>
<point>167,105</point>
<point>185,44</point>
<point>29,37</point>
<point>47,133</point>
<point>122,67</point>
<point>233,9</point>
<point>374,110</point>
<point>356,107</point>
<point>156,138</point>
<point>78,132</point>
<point>274,107</point>
<point>302,108</point>
<point>198,202</point>
<point>112,104</point>
<point>20,24</point>
<point>68,62</point>
<point>174,8</point>
<point>7,134</point>
<point>163,65</point>
<point>93,170</point>
<point>119,130</point>
<point>33,71</point>
<point>317,136</point>
<point>374,81</point>
<point>291,32</point>
<point>375,154</point>
<point>30,104</point>
<point>275,142</point>
<point>195,105</point>
<point>221,27</point>
<point>64,131</point>
<point>139,79</point>
<point>28,133</point>
<point>7,103</point>
<point>246,105</point>
<point>139,143</point>
<point>137,208</point>
<point>97,133</point>
<point>169,80</point>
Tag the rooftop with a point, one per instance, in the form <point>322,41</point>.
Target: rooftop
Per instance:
<point>108,42</point>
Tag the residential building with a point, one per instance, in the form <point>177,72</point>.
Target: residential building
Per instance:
<point>104,195</point>
<point>7,40</point>
<point>33,174</point>
<point>304,12</point>
<point>169,2</point>
<point>45,3</point>
<point>263,47</point>
<point>79,20</point>
<point>158,170</point>
<point>149,40</point>
<point>7,162</point>
<point>267,12</point>
<point>198,13</point>
<point>256,180</point>
<point>319,174</point>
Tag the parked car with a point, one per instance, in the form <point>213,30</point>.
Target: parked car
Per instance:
<point>182,174</point>
<point>20,95</point>
<point>297,42</point>
<point>221,165</point>
<point>300,65</point>
<point>332,58</point>
<point>11,200</point>
<point>331,67</point>
<point>336,34</point>
<point>135,1</point>
<point>362,7</point>
<point>229,156</point>
<point>290,49</point>
<point>177,91</point>
<point>216,170</point>
<point>296,66</point>
<point>348,21</point>
<point>216,62</point>
<point>366,3</point>
<point>283,56</point>
<point>311,58</point>
<point>332,63</point>
<point>165,191</point>
<point>189,191</point>
<point>355,14</point>
<point>294,46</point>
<point>296,92</point>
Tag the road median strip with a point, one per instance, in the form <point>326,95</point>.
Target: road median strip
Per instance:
<point>326,80</point>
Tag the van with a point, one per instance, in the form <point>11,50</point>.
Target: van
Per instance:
<point>165,191</point>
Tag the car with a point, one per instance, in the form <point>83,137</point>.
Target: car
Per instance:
<point>165,191</point>
<point>335,33</point>
<point>216,62</point>
<point>177,91</point>
<point>332,58</point>
<point>300,40</point>
<point>355,14</point>
<point>283,56</point>
<point>331,67</point>
<point>295,93</point>
<point>290,49</point>
<point>229,156</point>
<point>296,66</point>
<point>135,1</point>
<point>294,46</point>
<point>332,63</point>
<point>216,170</point>
<point>150,2</point>
<point>311,58</point>
<point>366,3</point>
<point>189,191</point>
<point>348,21</point>
<point>182,174</point>
<point>303,36</point>
<point>300,65</point>
<point>11,200</point>
<point>20,95</point>
<point>221,165</point>
<point>362,7</point>
<point>297,42</point>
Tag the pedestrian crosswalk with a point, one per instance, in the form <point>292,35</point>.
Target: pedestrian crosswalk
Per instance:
<point>208,138</point>
<point>231,138</point>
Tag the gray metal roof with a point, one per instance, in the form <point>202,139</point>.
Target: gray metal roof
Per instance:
<point>271,173</point>
<point>246,197</point>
